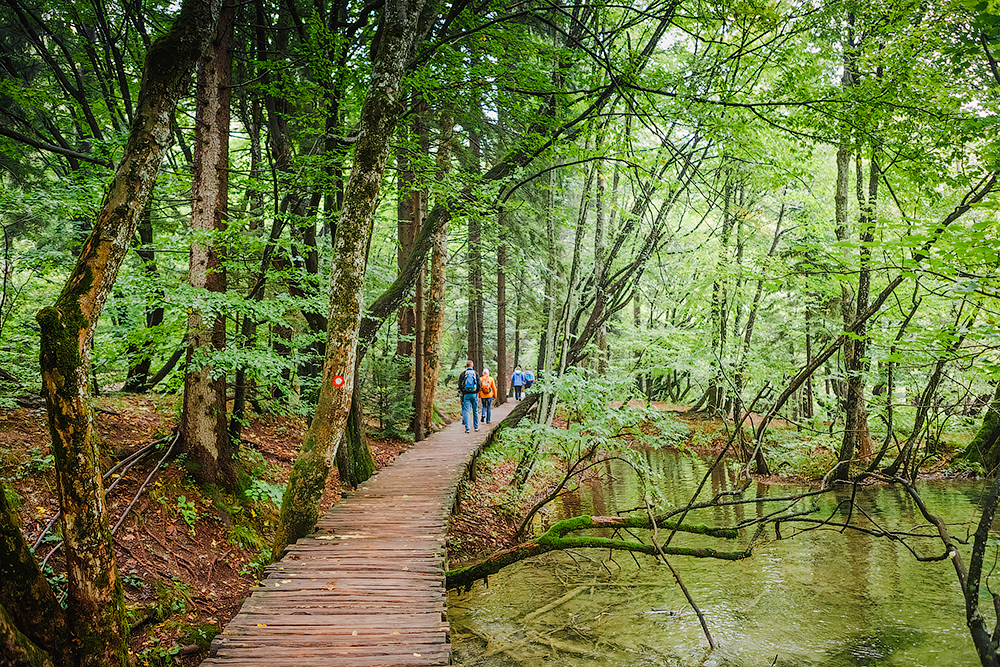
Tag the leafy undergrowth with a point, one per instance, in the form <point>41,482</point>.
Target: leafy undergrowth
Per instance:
<point>187,560</point>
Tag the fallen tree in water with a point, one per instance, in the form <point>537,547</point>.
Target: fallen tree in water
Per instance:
<point>558,538</point>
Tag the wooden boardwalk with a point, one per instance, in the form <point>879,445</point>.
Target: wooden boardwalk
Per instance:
<point>366,589</point>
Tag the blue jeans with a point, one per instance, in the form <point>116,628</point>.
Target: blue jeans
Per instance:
<point>487,409</point>
<point>469,406</point>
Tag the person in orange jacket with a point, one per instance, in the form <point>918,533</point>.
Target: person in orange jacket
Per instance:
<point>487,392</point>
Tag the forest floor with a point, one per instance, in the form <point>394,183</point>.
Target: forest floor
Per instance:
<point>187,561</point>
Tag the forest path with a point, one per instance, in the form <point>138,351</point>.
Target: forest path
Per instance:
<point>366,588</point>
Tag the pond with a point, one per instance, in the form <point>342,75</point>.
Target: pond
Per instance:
<point>821,598</point>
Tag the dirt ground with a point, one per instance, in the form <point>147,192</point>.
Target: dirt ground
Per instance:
<point>186,560</point>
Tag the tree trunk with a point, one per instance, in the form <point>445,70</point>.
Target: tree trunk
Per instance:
<point>600,253</point>
<point>475,318</point>
<point>420,212</point>
<point>435,305</point>
<point>140,355</point>
<point>720,304</point>
<point>418,359</point>
<point>96,605</point>
<point>408,198</point>
<point>379,113</point>
<point>355,463</point>
<point>517,323</point>
<point>502,371</point>
<point>434,324</point>
<point>857,438</point>
<point>546,347</point>
<point>252,120</point>
<point>32,607</point>
<point>985,446</point>
<point>210,451</point>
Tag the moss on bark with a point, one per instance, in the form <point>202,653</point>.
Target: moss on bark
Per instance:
<point>99,631</point>
<point>355,462</point>
<point>985,446</point>
<point>16,650</point>
<point>24,590</point>
<point>306,483</point>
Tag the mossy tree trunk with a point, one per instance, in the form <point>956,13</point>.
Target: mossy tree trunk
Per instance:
<point>379,114</point>
<point>434,324</point>
<point>354,458</point>
<point>985,446</point>
<point>95,602</point>
<point>355,463</point>
<point>210,451</point>
<point>33,626</point>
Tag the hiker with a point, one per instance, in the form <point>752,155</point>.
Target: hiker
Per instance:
<point>468,389</point>
<point>487,392</point>
<point>529,379</point>
<point>517,381</point>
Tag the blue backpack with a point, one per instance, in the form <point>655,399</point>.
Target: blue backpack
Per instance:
<point>470,381</point>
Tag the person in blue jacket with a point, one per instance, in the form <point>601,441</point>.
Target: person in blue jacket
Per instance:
<point>517,382</point>
<point>529,379</point>
<point>468,389</point>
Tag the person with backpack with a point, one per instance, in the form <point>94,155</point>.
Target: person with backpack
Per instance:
<point>487,392</point>
<point>468,389</point>
<point>529,379</point>
<point>517,382</point>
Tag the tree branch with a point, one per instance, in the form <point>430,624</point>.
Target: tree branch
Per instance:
<point>52,148</point>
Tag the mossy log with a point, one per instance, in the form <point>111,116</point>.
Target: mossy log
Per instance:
<point>558,538</point>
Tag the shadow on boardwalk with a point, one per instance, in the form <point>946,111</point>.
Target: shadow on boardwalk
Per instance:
<point>366,589</point>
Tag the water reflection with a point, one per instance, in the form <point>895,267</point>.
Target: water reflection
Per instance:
<point>822,598</point>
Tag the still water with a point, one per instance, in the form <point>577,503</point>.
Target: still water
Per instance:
<point>818,599</point>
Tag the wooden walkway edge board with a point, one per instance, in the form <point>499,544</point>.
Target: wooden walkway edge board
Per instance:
<point>366,588</point>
